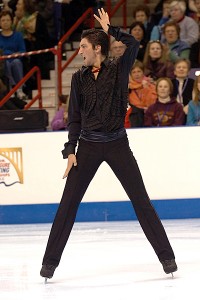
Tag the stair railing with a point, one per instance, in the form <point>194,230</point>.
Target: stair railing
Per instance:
<point>89,11</point>
<point>26,77</point>
<point>60,67</point>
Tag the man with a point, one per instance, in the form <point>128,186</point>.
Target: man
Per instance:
<point>97,109</point>
<point>117,49</point>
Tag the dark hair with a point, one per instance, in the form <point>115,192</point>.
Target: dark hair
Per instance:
<point>29,6</point>
<point>97,37</point>
<point>137,23</point>
<point>142,7</point>
<point>6,13</point>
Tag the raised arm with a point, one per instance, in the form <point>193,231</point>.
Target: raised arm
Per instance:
<point>103,19</point>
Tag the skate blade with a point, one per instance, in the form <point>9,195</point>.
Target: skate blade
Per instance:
<point>172,275</point>
<point>45,281</point>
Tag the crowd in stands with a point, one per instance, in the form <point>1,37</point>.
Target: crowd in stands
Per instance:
<point>169,47</point>
<point>161,92</point>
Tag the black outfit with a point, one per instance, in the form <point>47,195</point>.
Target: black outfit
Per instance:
<point>187,89</point>
<point>96,120</point>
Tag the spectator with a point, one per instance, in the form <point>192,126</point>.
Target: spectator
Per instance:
<point>196,15</point>
<point>142,14</point>
<point>166,111</point>
<point>195,53</point>
<point>137,30</point>
<point>193,116</point>
<point>192,6</point>
<point>32,25</point>
<point>12,42</point>
<point>183,85</point>
<point>176,48</point>
<point>189,31</point>
<point>142,94</point>
<point>46,10</point>
<point>161,12</point>
<point>14,102</point>
<point>59,121</point>
<point>12,5</point>
<point>117,49</point>
<point>156,62</point>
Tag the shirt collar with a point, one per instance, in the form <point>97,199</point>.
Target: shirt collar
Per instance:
<point>104,63</point>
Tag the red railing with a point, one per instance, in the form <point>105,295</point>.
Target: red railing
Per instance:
<point>21,82</point>
<point>58,53</point>
<point>111,12</point>
<point>60,67</point>
<point>27,76</point>
<point>89,11</point>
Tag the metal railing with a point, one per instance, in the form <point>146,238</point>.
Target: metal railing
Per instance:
<point>89,11</point>
<point>26,77</point>
<point>58,52</point>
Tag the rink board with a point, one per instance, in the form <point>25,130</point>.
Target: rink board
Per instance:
<point>31,184</point>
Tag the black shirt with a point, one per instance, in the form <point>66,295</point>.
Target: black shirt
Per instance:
<point>100,105</point>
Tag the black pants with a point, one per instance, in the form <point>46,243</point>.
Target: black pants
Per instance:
<point>119,157</point>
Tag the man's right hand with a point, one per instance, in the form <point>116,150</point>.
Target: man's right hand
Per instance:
<point>71,162</point>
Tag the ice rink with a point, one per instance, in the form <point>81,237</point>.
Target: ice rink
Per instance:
<point>107,260</point>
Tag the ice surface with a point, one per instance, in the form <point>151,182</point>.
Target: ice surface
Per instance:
<point>107,260</point>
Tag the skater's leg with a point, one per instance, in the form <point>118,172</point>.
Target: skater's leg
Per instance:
<point>77,182</point>
<point>125,167</point>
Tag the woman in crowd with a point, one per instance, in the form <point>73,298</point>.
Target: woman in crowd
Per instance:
<point>142,94</point>
<point>183,85</point>
<point>193,116</point>
<point>11,42</point>
<point>156,62</point>
<point>142,14</point>
<point>137,30</point>
<point>175,47</point>
<point>166,111</point>
<point>32,25</point>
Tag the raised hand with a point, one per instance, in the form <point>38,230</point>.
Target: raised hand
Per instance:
<point>103,19</point>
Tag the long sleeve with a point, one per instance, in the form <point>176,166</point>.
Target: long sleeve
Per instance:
<point>128,58</point>
<point>191,116</point>
<point>87,94</point>
<point>74,119</point>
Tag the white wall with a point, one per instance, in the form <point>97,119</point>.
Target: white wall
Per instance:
<point>168,158</point>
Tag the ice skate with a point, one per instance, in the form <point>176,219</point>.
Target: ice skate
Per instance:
<point>47,271</point>
<point>169,266</point>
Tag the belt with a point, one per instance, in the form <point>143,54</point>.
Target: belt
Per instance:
<point>97,136</point>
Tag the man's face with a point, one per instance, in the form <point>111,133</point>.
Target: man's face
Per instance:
<point>87,52</point>
<point>181,69</point>
<point>117,49</point>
